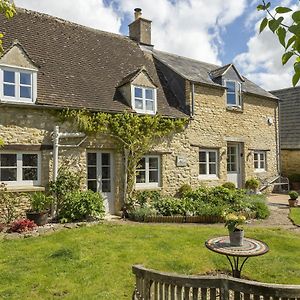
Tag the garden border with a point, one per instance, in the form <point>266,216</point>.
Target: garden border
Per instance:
<point>180,219</point>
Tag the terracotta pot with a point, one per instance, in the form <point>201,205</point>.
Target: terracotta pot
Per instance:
<point>39,219</point>
<point>293,203</point>
<point>236,237</point>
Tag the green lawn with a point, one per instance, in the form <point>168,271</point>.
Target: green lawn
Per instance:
<point>95,262</point>
<point>295,215</point>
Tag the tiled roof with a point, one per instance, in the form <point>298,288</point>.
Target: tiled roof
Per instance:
<point>198,71</point>
<point>289,117</point>
<point>81,67</point>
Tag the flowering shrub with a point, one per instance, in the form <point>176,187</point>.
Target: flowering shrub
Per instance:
<point>22,226</point>
<point>232,221</point>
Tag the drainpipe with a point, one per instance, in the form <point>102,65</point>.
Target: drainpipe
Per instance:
<point>278,139</point>
<point>192,110</point>
<point>126,153</point>
<point>55,152</point>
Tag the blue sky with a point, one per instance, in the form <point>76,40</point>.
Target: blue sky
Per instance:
<point>216,31</point>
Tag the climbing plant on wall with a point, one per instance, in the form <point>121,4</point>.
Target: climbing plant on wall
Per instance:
<point>135,135</point>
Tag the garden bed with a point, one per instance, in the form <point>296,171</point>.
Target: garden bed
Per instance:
<point>179,219</point>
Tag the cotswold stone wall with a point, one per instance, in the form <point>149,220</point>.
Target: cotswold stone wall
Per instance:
<point>290,162</point>
<point>212,127</point>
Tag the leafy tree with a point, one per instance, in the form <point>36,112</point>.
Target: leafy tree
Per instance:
<point>8,9</point>
<point>285,23</point>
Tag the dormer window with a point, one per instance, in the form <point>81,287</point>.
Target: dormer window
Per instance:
<point>18,85</point>
<point>144,99</point>
<point>233,93</point>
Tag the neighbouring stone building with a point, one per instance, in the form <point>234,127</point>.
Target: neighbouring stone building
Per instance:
<point>289,129</point>
<point>50,64</point>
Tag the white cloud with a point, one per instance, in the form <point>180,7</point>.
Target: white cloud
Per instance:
<point>92,13</point>
<point>188,27</point>
<point>261,62</point>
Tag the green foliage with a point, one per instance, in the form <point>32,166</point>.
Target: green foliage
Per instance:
<point>65,183</point>
<point>294,178</point>
<point>293,195</point>
<point>184,189</point>
<point>287,29</point>
<point>8,204</point>
<point>81,205</point>
<point>144,198</point>
<point>40,202</point>
<point>8,9</point>
<point>229,185</point>
<point>295,215</point>
<point>134,134</point>
<point>140,213</point>
<point>203,201</point>
<point>252,184</point>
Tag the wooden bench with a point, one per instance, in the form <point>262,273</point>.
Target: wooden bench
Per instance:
<point>154,285</point>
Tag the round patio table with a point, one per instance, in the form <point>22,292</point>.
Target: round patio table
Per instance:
<point>237,255</point>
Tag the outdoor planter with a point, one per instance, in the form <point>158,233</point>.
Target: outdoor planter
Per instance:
<point>236,237</point>
<point>293,203</point>
<point>39,218</point>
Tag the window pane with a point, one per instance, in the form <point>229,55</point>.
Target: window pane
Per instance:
<point>106,159</point>
<point>153,163</point>
<point>138,92</point>
<point>256,165</point>
<point>25,78</point>
<point>138,104</point>
<point>92,159</point>
<point>212,157</point>
<point>141,177</point>
<point>106,186</point>
<point>9,76</point>
<point>9,90</point>
<point>142,164</point>
<point>212,169</point>
<point>30,160</point>
<point>202,156</point>
<point>106,172</point>
<point>92,172</point>
<point>30,174</point>
<point>150,105</point>
<point>255,156</point>
<point>153,176</point>
<point>8,174</point>
<point>231,99</point>
<point>202,169</point>
<point>149,94</point>
<point>262,164</point>
<point>230,86</point>
<point>8,160</point>
<point>262,156</point>
<point>25,92</point>
<point>92,185</point>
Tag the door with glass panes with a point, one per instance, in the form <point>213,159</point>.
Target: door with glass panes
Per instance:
<point>234,164</point>
<point>99,177</point>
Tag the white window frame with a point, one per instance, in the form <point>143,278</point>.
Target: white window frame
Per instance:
<point>147,184</point>
<point>17,98</point>
<point>207,163</point>
<point>259,152</point>
<point>19,181</point>
<point>237,93</point>
<point>144,109</point>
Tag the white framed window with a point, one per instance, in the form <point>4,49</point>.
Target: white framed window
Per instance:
<point>148,172</point>
<point>21,169</point>
<point>144,99</point>
<point>18,85</point>
<point>260,161</point>
<point>233,93</point>
<point>208,163</point>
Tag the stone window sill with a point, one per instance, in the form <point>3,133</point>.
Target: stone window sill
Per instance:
<point>148,188</point>
<point>24,189</point>
<point>234,109</point>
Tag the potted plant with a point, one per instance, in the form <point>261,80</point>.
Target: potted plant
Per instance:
<point>293,198</point>
<point>252,185</point>
<point>40,205</point>
<point>295,181</point>
<point>236,234</point>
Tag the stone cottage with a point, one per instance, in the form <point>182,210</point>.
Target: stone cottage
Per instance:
<point>289,109</point>
<point>50,64</point>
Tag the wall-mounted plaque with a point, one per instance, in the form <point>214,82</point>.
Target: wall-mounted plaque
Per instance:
<point>181,161</point>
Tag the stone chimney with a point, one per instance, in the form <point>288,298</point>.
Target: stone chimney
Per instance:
<point>140,28</point>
